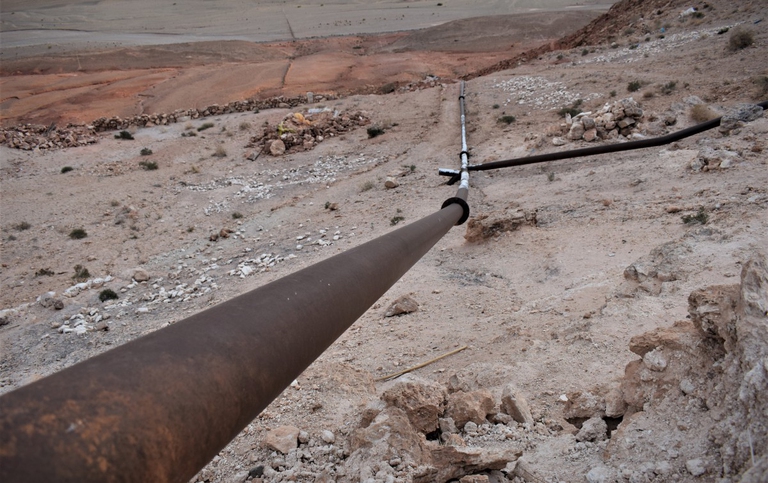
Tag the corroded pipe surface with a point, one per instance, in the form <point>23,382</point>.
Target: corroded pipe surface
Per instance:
<point>157,409</point>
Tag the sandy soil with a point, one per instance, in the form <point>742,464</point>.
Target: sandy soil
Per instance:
<point>546,307</point>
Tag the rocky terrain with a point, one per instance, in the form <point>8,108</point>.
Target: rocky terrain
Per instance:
<point>606,317</point>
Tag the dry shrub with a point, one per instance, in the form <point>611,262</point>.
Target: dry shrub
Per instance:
<point>741,38</point>
<point>761,83</point>
<point>220,152</point>
<point>702,113</point>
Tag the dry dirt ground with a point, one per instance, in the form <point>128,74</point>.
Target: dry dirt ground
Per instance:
<point>81,86</point>
<point>598,259</point>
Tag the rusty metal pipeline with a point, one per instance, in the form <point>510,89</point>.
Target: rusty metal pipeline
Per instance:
<point>590,151</point>
<point>162,406</point>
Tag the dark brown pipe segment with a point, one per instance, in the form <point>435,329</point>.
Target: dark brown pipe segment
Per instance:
<point>159,408</point>
<point>594,150</point>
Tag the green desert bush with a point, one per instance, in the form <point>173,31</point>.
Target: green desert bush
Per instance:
<point>634,86</point>
<point>78,234</point>
<point>124,135</point>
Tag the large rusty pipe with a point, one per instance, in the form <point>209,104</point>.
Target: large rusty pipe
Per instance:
<point>160,407</point>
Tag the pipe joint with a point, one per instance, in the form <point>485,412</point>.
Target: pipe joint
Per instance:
<point>464,206</point>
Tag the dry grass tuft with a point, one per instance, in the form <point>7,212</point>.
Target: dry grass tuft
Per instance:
<point>702,113</point>
<point>741,38</point>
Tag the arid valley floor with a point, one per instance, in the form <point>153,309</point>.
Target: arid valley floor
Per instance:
<point>613,307</point>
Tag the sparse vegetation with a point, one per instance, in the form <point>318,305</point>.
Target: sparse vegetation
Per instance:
<point>114,203</point>
<point>668,88</point>
<point>146,151</point>
<point>124,135</point>
<point>22,226</point>
<point>148,165</point>
<point>374,131</point>
<point>44,272</point>
<point>633,46</point>
<point>107,294</point>
<point>244,126</point>
<point>551,176</point>
<point>723,30</point>
<point>220,152</point>
<point>205,126</point>
<point>67,169</point>
<point>702,113</point>
<point>741,38</point>
<point>762,87</point>
<point>507,119</point>
<point>573,110</point>
<point>237,215</point>
<point>648,94</point>
<point>81,273</point>
<point>584,52</point>
<point>395,220</point>
<point>367,186</point>
<point>78,234</point>
<point>496,106</point>
<point>634,86</point>
<point>388,88</point>
<point>189,134</point>
<point>701,217</point>
<point>613,93</point>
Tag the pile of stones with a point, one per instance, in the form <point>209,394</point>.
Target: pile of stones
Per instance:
<point>29,136</point>
<point>611,121</point>
<point>183,115</point>
<point>298,132</point>
<point>34,136</point>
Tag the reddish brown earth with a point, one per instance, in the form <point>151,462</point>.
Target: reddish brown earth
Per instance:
<point>80,87</point>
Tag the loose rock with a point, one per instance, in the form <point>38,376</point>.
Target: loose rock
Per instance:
<point>277,147</point>
<point>140,275</point>
<point>421,399</point>
<point>403,305</point>
<point>282,439</point>
<point>328,436</point>
<point>516,406</point>
<point>696,466</point>
<point>472,406</point>
<point>593,429</point>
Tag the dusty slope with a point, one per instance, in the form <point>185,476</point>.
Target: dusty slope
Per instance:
<point>547,307</point>
<point>81,86</point>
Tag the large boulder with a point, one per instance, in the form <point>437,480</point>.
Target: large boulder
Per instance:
<point>422,400</point>
<point>473,406</point>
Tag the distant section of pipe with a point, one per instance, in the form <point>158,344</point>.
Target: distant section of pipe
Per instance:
<point>590,151</point>
<point>464,153</point>
<point>463,174</point>
<point>159,408</point>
